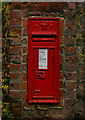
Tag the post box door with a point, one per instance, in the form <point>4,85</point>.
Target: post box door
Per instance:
<point>43,71</point>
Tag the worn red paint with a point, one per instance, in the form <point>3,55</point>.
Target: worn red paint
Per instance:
<point>43,82</point>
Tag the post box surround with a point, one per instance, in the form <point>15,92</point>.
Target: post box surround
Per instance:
<point>43,60</point>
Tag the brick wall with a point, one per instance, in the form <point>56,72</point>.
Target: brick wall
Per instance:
<point>69,54</point>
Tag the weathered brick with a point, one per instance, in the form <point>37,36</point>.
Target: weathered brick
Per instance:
<point>24,95</point>
<point>24,49</point>
<point>70,85</point>
<point>53,6</point>
<point>15,76</point>
<point>61,75</point>
<point>42,6</point>
<point>25,23</point>
<point>61,23</point>
<point>36,13</point>
<point>70,14</point>
<point>16,59</point>
<point>17,111</point>
<point>70,94</point>
<point>15,94</point>
<point>70,67</point>
<point>61,83</point>
<point>48,13</point>
<point>70,32</point>
<point>14,23</point>
<point>15,67</point>
<point>15,14</point>
<point>24,41</point>
<point>25,31</point>
<point>25,13</point>
<point>24,67</point>
<point>71,5</point>
<point>69,103</point>
<point>70,23</point>
<point>15,50</point>
<point>70,76</point>
<point>24,58</point>
<point>15,41</point>
<point>16,5</point>
<point>71,59</point>
<point>61,58</point>
<point>70,40</point>
<point>24,77</point>
<point>14,86</point>
<point>61,94</point>
<point>24,85</point>
<point>16,32</point>
<point>70,50</point>
<point>62,32</point>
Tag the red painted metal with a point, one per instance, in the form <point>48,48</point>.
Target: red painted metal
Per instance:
<point>43,83</point>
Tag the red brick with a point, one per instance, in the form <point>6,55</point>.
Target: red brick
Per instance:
<point>80,75</point>
<point>61,32</point>
<point>70,76</point>
<point>61,58</point>
<point>25,23</point>
<point>70,94</point>
<point>61,23</point>
<point>30,5</point>
<point>15,41</point>
<point>15,14</point>
<point>24,58</point>
<point>25,104</point>
<point>25,13</point>
<point>69,103</point>
<point>71,59</point>
<point>24,67</point>
<point>70,40</point>
<point>24,85</point>
<point>17,111</point>
<point>14,76</point>
<point>15,94</point>
<point>25,31</point>
<point>16,5</point>
<point>15,50</point>
<point>24,49</point>
<point>15,67</point>
<point>70,23</point>
<point>61,83</point>
<point>71,5</point>
<point>24,77</point>
<point>24,95</point>
<point>15,59</point>
<point>61,75</point>
<point>70,50</point>
<point>14,23</point>
<point>43,6</point>
<point>16,32</point>
<point>14,85</point>
<point>35,13</point>
<point>70,85</point>
<point>61,94</point>
<point>70,67</point>
<point>53,6</point>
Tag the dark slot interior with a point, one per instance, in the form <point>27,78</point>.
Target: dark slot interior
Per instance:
<point>44,36</point>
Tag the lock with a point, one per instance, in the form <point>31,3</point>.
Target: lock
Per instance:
<point>40,74</point>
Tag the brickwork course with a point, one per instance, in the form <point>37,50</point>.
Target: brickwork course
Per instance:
<point>71,87</point>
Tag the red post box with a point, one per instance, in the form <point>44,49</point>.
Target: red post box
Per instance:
<point>43,60</point>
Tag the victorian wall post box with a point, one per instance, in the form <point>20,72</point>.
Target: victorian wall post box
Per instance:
<point>43,60</point>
